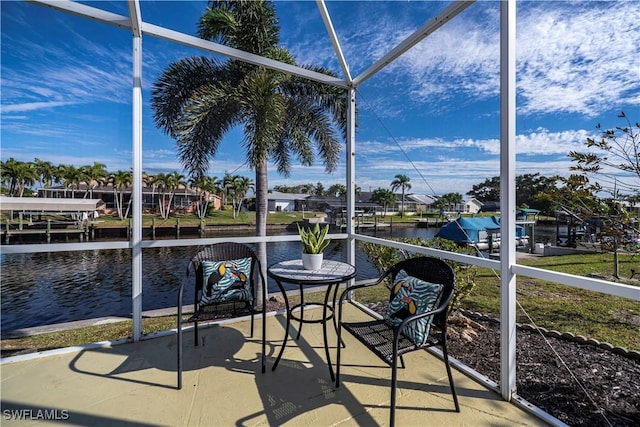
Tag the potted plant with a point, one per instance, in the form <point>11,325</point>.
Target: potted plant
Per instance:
<point>314,241</point>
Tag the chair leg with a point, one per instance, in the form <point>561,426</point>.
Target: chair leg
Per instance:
<point>445,357</point>
<point>264,335</point>
<point>394,383</point>
<point>339,347</point>
<point>195,332</point>
<point>402,362</point>
<point>179,345</point>
<point>251,336</point>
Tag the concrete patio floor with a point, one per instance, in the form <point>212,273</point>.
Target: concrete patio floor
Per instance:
<point>134,384</point>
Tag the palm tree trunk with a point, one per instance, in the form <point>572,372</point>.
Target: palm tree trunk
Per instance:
<point>262,206</point>
<point>120,204</point>
<point>238,210</point>
<point>126,213</point>
<point>168,211</point>
<point>161,203</point>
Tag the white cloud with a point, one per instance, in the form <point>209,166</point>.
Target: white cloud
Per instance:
<point>31,106</point>
<point>572,57</point>
<point>578,57</point>
<point>445,169</point>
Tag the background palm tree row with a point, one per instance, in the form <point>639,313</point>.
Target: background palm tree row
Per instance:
<point>21,178</point>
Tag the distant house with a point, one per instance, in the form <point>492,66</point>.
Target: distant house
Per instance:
<point>324,203</point>
<point>286,202</point>
<point>490,206</point>
<point>422,202</point>
<point>632,206</point>
<point>472,206</point>
<point>337,205</point>
<point>184,199</point>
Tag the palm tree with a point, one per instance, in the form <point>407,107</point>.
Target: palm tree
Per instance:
<point>159,183</point>
<point>449,201</point>
<point>204,186</point>
<point>308,189</point>
<point>167,185</point>
<point>11,174</point>
<point>45,171</point>
<point>72,177</point>
<point>384,197</point>
<point>19,175</point>
<point>175,180</point>
<point>227,184</point>
<point>96,175</point>
<point>120,181</point>
<point>338,190</point>
<point>241,186</point>
<point>198,100</point>
<point>401,181</point>
<point>149,180</point>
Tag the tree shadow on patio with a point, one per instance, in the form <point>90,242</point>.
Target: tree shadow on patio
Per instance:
<point>300,385</point>
<point>128,362</point>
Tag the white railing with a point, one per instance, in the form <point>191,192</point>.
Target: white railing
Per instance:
<point>588,283</point>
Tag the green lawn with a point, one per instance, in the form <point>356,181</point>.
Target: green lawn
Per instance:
<point>567,309</point>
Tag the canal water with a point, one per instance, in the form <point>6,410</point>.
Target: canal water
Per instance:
<point>47,288</point>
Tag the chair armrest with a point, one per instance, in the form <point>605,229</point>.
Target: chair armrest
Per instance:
<point>180,294</point>
<point>362,284</point>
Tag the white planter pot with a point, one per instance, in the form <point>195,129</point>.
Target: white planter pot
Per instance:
<point>312,261</point>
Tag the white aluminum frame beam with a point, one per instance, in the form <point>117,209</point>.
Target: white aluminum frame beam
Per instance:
<point>187,40</point>
<point>507,198</point>
<point>351,174</point>
<point>136,141</point>
<point>85,11</point>
<point>442,18</point>
<point>191,41</point>
<point>334,40</point>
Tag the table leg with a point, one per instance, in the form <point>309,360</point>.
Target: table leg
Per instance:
<point>324,331</point>
<point>286,329</point>
<point>335,317</point>
<point>301,312</point>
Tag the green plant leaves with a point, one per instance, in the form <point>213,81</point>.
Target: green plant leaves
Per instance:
<point>314,240</point>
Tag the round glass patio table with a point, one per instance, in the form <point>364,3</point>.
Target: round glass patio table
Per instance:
<point>330,275</point>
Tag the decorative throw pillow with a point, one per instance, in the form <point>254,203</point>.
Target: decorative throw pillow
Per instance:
<point>225,281</point>
<point>409,296</point>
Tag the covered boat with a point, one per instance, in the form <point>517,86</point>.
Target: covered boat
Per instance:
<point>480,232</point>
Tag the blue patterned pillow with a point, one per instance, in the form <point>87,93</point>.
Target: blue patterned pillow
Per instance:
<point>409,296</point>
<point>225,281</point>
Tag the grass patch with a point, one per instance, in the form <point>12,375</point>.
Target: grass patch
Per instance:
<point>564,308</point>
<point>84,335</point>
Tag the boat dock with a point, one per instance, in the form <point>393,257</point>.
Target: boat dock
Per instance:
<point>66,229</point>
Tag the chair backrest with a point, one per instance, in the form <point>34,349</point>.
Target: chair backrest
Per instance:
<point>224,251</point>
<point>433,270</point>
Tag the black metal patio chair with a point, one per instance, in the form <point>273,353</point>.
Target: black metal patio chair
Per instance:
<point>226,278</point>
<point>421,289</point>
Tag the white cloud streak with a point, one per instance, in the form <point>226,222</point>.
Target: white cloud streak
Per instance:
<point>572,57</point>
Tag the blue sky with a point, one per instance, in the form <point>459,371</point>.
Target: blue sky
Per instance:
<point>432,115</point>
